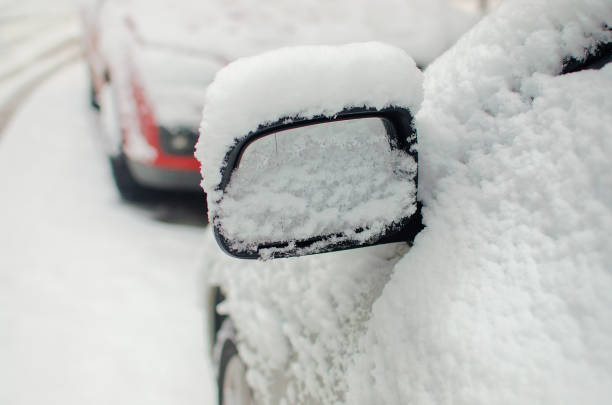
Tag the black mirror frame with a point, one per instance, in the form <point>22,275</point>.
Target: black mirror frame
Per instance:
<point>402,135</point>
<point>594,59</point>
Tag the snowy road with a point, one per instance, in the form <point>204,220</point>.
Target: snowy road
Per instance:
<point>99,302</point>
<point>37,38</point>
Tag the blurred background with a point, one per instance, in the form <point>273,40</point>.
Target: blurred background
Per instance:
<point>39,37</point>
<point>102,223</point>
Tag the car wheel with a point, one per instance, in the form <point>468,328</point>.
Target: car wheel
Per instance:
<point>232,385</point>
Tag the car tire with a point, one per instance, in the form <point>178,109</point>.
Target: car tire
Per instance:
<point>129,188</point>
<point>232,386</point>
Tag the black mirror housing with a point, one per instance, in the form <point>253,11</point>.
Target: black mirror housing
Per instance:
<point>398,122</point>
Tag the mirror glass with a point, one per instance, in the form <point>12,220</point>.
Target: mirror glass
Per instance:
<point>319,180</point>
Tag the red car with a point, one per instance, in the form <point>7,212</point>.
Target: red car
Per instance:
<point>149,90</point>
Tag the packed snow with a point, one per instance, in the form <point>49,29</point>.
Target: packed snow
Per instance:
<point>99,303</point>
<point>298,82</point>
<point>297,184</point>
<point>505,296</point>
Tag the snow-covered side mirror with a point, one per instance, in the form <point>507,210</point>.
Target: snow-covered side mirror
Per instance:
<point>303,186</point>
<point>312,149</point>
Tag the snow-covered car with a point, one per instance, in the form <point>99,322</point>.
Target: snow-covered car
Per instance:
<point>504,296</point>
<point>147,80</point>
<point>148,87</point>
<point>151,60</point>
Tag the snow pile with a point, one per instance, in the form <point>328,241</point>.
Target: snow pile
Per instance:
<point>318,180</point>
<point>505,296</point>
<point>298,82</point>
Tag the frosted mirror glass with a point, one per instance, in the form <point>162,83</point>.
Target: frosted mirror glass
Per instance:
<point>340,177</point>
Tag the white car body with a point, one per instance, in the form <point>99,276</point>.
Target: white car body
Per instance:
<point>506,295</point>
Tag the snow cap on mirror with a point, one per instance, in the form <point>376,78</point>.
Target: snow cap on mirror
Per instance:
<point>304,82</point>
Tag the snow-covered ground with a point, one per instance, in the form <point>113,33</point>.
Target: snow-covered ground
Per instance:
<point>99,302</point>
<point>37,38</point>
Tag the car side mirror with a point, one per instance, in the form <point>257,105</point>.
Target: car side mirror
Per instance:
<point>301,185</point>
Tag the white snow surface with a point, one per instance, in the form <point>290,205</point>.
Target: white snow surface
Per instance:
<point>505,296</point>
<point>99,303</point>
<point>226,30</point>
<point>36,39</point>
<point>299,319</point>
<point>300,82</point>
<point>175,83</point>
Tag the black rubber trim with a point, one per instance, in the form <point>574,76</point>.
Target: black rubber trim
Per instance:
<point>596,59</point>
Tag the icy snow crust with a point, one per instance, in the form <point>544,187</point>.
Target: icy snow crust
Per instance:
<point>300,82</point>
<point>505,297</point>
<point>318,180</point>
